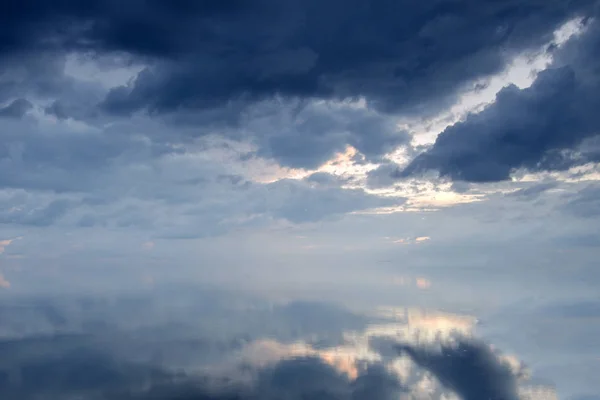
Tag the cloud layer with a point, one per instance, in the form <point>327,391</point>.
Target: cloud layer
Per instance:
<point>538,128</point>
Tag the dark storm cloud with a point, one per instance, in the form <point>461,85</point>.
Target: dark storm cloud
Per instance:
<point>209,63</point>
<point>468,368</point>
<point>539,128</point>
<point>401,55</point>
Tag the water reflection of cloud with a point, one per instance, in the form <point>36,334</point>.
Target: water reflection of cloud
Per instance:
<point>417,328</point>
<point>216,334</point>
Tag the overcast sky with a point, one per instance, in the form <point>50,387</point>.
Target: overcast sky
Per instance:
<point>329,158</point>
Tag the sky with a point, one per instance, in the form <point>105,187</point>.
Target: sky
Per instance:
<point>291,199</point>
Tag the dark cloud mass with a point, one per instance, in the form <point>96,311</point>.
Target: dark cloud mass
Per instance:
<point>213,62</point>
<point>537,128</point>
<point>468,368</point>
<point>74,372</point>
<point>401,55</point>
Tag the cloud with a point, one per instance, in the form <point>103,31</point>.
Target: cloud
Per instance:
<point>410,49</point>
<point>534,191</point>
<point>468,368</point>
<point>62,369</point>
<point>54,173</point>
<point>163,316</point>
<point>538,128</point>
<point>196,341</point>
<point>15,109</point>
<point>297,201</point>
<point>222,67</point>
<point>382,176</point>
<point>311,133</point>
<point>585,203</point>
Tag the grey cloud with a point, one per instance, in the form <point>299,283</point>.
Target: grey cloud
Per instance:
<point>62,159</point>
<point>461,186</point>
<point>77,106</point>
<point>588,239</point>
<point>159,321</point>
<point>307,134</point>
<point>585,203</point>
<point>382,176</point>
<point>298,202</point>
<point>406,56</point>
<point>41,76</point>
<point>468,368</point>
<point>558,334</point>
<point>145,186</point>
<point>581,309</point>
<point>537,128</point>
<point>88,371</point>
<point>325,179</point>
<point>16,109</point>
<point>43,216</point>
<point>216,66</point>
<point>534,191</point>
<point>377,383</point>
